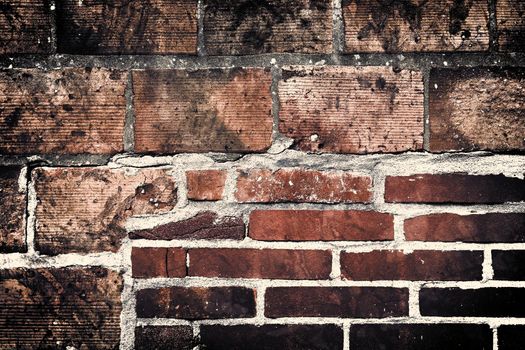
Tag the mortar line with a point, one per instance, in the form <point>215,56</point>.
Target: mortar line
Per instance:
<point>346,335</point>
<point>413,300</point>
<point>337,30</point>
<point>426,107</point>
<point>53,40</point>
<point>129,123</point>
<point>495,338</point>
<point>493,26</point>
<point>201,48</point>
<point>488,271</point>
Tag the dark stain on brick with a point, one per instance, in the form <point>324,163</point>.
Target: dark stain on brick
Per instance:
<point>14,117</point>
<point>458,14</point>
<point>12,208</point>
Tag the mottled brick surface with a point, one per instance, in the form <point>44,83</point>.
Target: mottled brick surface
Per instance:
<point>510,15</point>
<point>12,209</point>
<point>164,338</point>
<point>205,185</point>
<point>158,262</point>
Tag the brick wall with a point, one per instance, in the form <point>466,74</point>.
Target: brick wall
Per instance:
<point>302,174</point>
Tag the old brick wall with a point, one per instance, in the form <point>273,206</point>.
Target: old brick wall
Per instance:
<point>262,174</point>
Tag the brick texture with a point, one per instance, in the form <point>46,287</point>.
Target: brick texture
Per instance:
<point>158,262</point>
<point>12,209</point>
<point>164,338</point>
<point>510,337</point>
<point>509,265</point>
<point>205,185</point>
<point>510,16</point>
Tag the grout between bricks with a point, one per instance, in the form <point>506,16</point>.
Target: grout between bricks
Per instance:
<point>129,121</point>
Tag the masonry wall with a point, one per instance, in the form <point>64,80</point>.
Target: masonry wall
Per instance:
<point>237,174</point>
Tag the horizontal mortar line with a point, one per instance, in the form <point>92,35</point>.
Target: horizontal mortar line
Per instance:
<point>112,261</point>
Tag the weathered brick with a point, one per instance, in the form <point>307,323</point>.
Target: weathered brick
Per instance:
<point>510,337</point>
<point>418,265</point>
<point>12,209</point>
<point>321,225</point>
<point>485,228</point>
<point>510,15</point>
<point>290,337</point>
<point>354,302</point>
<point>352,109</point>
<point>256,263</point>
<point>196,303</point>
<point>84,209</point>
<point>246,27</point>
<point>164,338</point>
<point>204,225</point>
<point>509,265</point>
<point>401,26</point>
<point>483,302</point>
<point>492,120</point>
<point>301,185</point>
<point>454,188</point>
<point>205,185</point>
<point>127,27</point>
<point>56,308</point>
<point>158,262</point>
<point>222,110</point>
<point>62,111</point>
<point>25,27</point>
<point>420,336</point>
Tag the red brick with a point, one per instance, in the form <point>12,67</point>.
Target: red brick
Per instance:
<point>25,27</point>
<point>321,225</point>
<point>425,265</point>
<point>301,185</point>
<point>347,302</point>
<point>352,109</point>
<point>256,263</point>
<point>401,26</point>
<point>454,188</point>
<point>12,209</point>
<point>84,209</point>
<point>493,120</point>
<point>196,303</point>
<point>485,228</point>
<point>205,185</point>
<point>164,338</point>
<point>510,15</point>
<point>222,110</point>
<point>158,262</point>
<point>245,27</point>
<point>67,111</point>
<point>127,27</point>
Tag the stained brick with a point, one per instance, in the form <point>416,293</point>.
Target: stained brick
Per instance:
<point>321,225</point>
<point>509,265</point>
<point>68,111</point>
<point>510,15</point>
<point>158,262</point>
<point>352,109</point>
<point>510,337</point>
<point>492,120</point>
<point>222,110</point>
<point>12,209</point>
<point>205,185</point>
<point>84,209</point>
<point>255,263</point>
<point>164,338</point>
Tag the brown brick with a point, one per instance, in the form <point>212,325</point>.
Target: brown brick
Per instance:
<point>25,27</point>
<point>321,225</point>
<point>62,111</point>
<point>196,303</point>
<point>127,27</point>
<point>510,16</point>
<point>256,263</point>
<point>158,262</point>
<point>492,120</point>
<point>352,109</point>
<point>301,185</point>
<point>84,209</point>
<point>485,228</point>
<point>401,26</point>
<point>246,27</point>
<point>58,308</point>
<point>12,209</point>
<point>164,338</point>
<point>204,225</point>
<point>222,110</point>
<point>352,302</point>
<point>454,188</point>
<point>205,185</point>
<point>425,265</point>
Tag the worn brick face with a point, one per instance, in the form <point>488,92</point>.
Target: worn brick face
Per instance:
<point>158,262</point>
<point>84,209</point>
<point>60,307</point>
<point>127,27</point>
<point>164,338</point>
<point>401,26</point>
<point>352,109</point>
<point>245,27</point>
<point>510,15</point>
<point>205,185</point>
<point>67,111</point>
<point>477,109</point>
<point>12,209</point>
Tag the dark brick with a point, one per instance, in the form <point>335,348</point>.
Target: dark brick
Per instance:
<point>12,209</point>
<point>510,15</point>
<point>509,265</point>
<point>510,337</point>
<point>205,185</point>
<point>158,262</point>
<point>164,338</point>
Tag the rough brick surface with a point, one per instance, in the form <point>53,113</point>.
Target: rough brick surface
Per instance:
<point>510,15</point>
<point>300,185</point>
<point>222,110</point>
<point>418,265</point>
<point>127,27</point>
<point>509,265</point>
<point>400,26</point>
<point>205,185</point>
<point>59,308</point>
<point>321,225</point>
<point>158,262</point>
<point>349,302</point>
<point>352,110</point>
<point>477,109</point>
<point>255,263</point>
<point>84,209</point>
<point>510,337</point>
<point>12,209</point>
<point>196,303</point>
<point>164,338</point>
<point>246,27</point>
